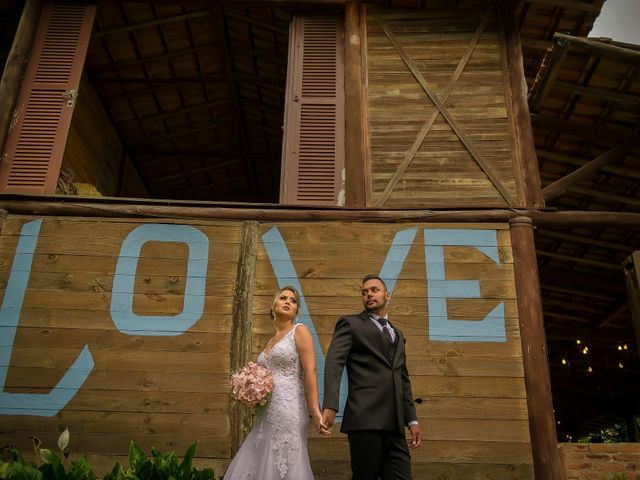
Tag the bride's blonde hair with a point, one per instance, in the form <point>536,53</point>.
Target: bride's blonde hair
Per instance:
<point>275,299</point>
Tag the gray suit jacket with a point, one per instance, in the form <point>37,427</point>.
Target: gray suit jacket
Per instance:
<point>380,395</point>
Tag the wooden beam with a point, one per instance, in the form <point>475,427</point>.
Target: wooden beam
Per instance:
<point>240,339</point>
<point>546,77</point>
<point>603,48</point>
<point>521,117</point>
<point>196,171</point>
<point>589,334</point>
<point>15,66</point>
<point>257,22</point>
<point>580,260</point>
<point>632,281</point>
<point>578,5</point>
<point>598,92</point>
<point>222,78</point>
<point>355,187</point>
<point>612,315</point>
<point>583,130</point>
<point>558,187</point>
<point>542,425</point>
<point>150,23</point>
<point>559,157</point>
<point>140,208</point>
<point>612,197</point>
<point>582,240</point>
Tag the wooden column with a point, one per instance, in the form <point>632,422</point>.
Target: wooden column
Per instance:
<point>524,131</point>
<point>354,131</point>
<point>632,281</point>
<point>240,348</point>
<point>16,64</point>
<point>542,427</point>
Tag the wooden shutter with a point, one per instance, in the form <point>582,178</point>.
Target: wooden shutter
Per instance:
<point>36,141</point>
<point>313,150</point>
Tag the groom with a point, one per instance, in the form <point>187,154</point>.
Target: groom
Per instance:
<point>380,403</point>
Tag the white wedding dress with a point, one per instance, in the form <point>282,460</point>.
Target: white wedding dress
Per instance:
<point>276,447</point>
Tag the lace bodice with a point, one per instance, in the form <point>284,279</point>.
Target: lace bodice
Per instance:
<point>283,362</point>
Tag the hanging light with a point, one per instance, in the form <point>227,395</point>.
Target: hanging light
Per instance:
<point>585,350</point>
<point>624,347</point>
<point>620,365</point>
<point>578,341</point>
<point>620,347</point>
<point>590,370</point>
<point>564,361</point>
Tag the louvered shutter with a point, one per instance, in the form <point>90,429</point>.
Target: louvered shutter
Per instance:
<point>35,143</point>
<point>313,150</point>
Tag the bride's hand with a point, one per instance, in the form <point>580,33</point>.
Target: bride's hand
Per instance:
<point>320,426</point>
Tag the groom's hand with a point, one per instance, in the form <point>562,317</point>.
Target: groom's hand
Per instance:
<point>328,417</point>
<point>416,436</point>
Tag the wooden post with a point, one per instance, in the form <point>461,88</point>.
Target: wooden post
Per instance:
<point>524,132</point>
<point>544,443</point>
<point>16,64</point>
<point>632,281</point>
<point>353,83</point>
<point>240,348</point>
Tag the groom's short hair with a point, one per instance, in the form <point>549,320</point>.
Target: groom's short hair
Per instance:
<point>373,276</point>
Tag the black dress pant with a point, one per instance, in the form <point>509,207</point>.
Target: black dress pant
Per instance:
<point>379,454</point>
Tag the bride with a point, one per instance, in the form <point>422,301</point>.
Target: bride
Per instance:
<point>276,447</point>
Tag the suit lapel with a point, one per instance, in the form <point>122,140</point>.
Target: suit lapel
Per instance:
<point>374,332</point>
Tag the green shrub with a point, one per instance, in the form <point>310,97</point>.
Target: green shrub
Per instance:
<point>13,465</point>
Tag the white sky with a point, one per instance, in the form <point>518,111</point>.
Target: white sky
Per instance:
<point>619,20</point>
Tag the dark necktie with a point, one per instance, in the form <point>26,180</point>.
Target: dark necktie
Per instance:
<point>386,335</point>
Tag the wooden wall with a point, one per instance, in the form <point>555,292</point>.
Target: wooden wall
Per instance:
<point>94,151</point>
<point>441,129</point>
<point>160,358</point>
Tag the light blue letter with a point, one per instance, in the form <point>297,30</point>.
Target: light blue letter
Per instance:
<point>42,405</point>
<point>194,291</point>
<point>286,274</point>
<point>441,328</point>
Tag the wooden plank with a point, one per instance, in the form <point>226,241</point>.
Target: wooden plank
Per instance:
<point>424,131</point>
<point>445,113</point>
<point>103,380</point>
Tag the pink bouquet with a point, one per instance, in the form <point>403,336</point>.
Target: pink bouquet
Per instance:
<point>252,384</point>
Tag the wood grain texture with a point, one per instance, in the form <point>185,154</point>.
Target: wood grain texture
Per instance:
<point>170,391</point>
<point>452,164</point>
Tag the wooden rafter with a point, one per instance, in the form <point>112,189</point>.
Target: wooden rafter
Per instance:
<point>442,109</point>
<point>584,130</point>
<point>150,23</point>
<point>594,166</point>
<point>551,65</point>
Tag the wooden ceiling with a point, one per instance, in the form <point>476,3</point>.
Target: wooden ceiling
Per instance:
<point>196,92</point>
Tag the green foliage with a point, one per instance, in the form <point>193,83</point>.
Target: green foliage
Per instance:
<point>13,466</point>
<point>614,434</point>
<point>159,467</point>
<point>616,476</point>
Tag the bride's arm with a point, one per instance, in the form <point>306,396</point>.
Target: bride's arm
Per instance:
<point>304,344</point>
